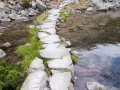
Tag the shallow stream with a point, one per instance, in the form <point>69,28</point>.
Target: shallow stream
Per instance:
<point>96,36</point>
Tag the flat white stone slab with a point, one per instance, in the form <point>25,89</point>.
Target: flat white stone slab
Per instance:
<point>60,81</point>
<point>49,23</point>
<point>63,63</point>
<point>35,81</point>
<point>54,51</point>
<point>49,30</point>
<point>54,11</point>
<point>47,26</point>
<point>50,39</point>
<point>36,65</point>
<point>42,35</point>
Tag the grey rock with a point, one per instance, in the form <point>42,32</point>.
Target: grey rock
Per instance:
<point>1,34</point>
<point>94,86</point>
<point>12,16</point>
<point>32,12</point>
<point>33,4</point>
<point>6,9</point>
<point>90,9</point>
<point>5,20</point>
<point>2,53</point>
<point>6,45</point>
<point>40,5</point>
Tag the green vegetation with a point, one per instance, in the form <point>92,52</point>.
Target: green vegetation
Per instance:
<point>25,4</point>
<point>64,14</point>
<point>74,58</point>
<point>30,51</point>
<point>11,76</point>
<point>43,16</point>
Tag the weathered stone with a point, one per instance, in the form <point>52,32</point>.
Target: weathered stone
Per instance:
<point>60,81</point>
<point>71,87</point>
<point>49,30</point>
<point>51,39</point>
<point>90,9</point>
<point>40,5</point>
<point>6,45</point>
<point>32,12</point>
<point>63,63</point>
<point>33,4</point>
<point>6,9</point>
<point>42,35</point>
<point>35,81</point>
<point>47,26</point>
<point>12,16</point>
<point>54,51</point>
<point>94,86</point>
<point>5,20</point>
<point>2,53</point>
<point>36,65</point>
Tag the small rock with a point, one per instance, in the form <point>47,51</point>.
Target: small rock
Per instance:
<point>2,53</point>
<point>1,34</point>
<point>94,86</point>
<point>6,45</point>
<point>40,5</point>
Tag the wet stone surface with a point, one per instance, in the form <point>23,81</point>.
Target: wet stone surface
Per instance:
<point>96,36</point>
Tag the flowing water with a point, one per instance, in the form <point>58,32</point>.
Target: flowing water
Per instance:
<point>96,36</point>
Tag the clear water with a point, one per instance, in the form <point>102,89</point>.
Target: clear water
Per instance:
<point>101,64</point>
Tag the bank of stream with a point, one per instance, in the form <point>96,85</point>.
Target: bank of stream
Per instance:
<point>15,32</point>
<point>96,36</point>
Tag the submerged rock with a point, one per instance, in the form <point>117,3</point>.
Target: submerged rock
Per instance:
<point>94,86</point>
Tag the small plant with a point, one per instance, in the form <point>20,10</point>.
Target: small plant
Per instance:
<point>11,76</point>
<point>41,17</point>
<point>64,14</point>
<point>74,58</point>
<point>33,31</point>
<point>25,4</point>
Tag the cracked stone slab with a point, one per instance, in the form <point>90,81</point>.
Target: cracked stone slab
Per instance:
<point>36,65</point>
<point>60,81</point>
<point>54,51</point>
<point>42,35</point>
<point>35,81</point>
<point>50,39</point>
<point>49,30</point>
<point>63,63</point>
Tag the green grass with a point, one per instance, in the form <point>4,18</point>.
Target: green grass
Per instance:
<point>30,51</point>
<point>34,30</point>
<point>64,14</point>
<point>74,58</point>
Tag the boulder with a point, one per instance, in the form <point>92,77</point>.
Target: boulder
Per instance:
<point>36,65</point>
<point>54,51</point>
<point>2,5</point>
<point>6,9</point>
<point>40,5</point>
<point>33,4</point>
<point>35,81</point>
<point>50,39</point>
<point>60,81</point>
<point>94,86</point>
<point>12,16</point>
<point>32,12</point>
<point>2,53</point>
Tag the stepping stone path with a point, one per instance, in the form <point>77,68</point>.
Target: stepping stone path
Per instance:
<point>60,61</point>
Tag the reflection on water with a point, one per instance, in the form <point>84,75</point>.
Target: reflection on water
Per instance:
<point>101,64</point>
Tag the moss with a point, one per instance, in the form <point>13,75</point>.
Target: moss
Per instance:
<point>74,58</point>
<point>34,30</point>
<point>25,4</point>
<point>48,71</point>
<point>43,16</point>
